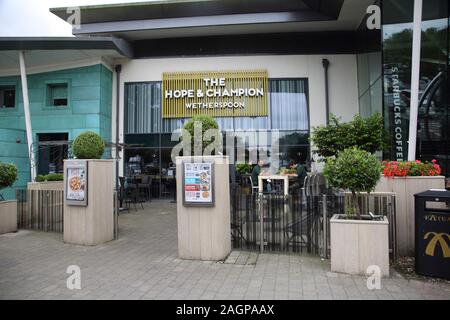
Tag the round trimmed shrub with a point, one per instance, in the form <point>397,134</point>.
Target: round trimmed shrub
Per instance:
<point>8,175</point>
<point>88,145</point>
<point>356,170</point>
<point>207,123</point>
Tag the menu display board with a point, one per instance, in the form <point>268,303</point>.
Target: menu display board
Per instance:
<point>198,181</point>
<point>76,183</point>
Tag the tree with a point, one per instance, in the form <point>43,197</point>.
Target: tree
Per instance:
<point>208,137</point>
<point>356,170</point>
<point>365,133</point>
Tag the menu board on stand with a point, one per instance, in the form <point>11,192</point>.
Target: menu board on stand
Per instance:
<point>198,182</point>
<point>76,188</point>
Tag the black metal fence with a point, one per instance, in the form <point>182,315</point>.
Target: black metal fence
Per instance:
<point>296,223</point>
<point>40,209</point>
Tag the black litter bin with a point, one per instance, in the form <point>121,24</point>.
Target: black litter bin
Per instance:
<point>432,233</point>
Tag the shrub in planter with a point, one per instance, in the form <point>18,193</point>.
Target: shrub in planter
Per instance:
<point>208,125</point>
<point>8,175</point>
<point>356,170</point>
<point>88,145</point>
<point>50,177</point>
<point>364,133</point>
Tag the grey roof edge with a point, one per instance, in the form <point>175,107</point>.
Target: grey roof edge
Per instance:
<point>66,43</point>
<point>191,8</point>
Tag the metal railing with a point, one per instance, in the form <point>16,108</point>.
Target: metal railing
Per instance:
<point>40,209</point>
<point>298,222</point>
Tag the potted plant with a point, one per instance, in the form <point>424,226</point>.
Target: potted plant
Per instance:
<point>407,178</point>
<point>203,192</point>
<point>88,192</point>
<point>8,208</point>
<point>357,240</point>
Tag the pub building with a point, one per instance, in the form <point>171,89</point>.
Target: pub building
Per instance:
<point>135,72</point>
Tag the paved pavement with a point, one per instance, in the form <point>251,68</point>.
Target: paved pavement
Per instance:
<point>143,264</point>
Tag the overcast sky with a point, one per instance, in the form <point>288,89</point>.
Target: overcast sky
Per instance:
<point>33,18</point>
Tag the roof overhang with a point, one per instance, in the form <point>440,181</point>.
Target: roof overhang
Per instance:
<point>120,46</point>
<point>54,53</point>
<point>200,18</point>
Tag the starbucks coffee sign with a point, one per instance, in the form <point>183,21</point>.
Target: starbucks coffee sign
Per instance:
<point>218,94</point>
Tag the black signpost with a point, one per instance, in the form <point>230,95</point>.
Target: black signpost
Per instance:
<point>432,242</point>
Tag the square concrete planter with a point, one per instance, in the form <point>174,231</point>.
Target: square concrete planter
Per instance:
<point>47,185</point>
<point>94,223</point>
<point>358,244</point>
<point>405,188</point>
<point>204,231</point>
<point>8,216</point>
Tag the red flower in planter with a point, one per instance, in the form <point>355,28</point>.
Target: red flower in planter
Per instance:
<point>410,168</point>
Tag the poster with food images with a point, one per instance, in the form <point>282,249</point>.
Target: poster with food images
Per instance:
<point>76,184</point>
<point>198,182</point>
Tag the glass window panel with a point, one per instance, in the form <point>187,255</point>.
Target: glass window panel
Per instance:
<point>288,104</point>
<point>143,107</point>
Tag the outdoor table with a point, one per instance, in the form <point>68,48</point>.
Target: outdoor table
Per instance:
<point>283,177</point>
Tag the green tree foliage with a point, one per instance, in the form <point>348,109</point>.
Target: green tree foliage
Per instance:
<point>356,170</point>
<point>8,175</point>
<point>365,133</point>
<point>206,123</point>
<point>88,145</point>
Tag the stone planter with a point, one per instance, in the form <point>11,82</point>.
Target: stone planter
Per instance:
<point>94,223</point>
<point>204,231</point>
<point>405,188</point>
<point>358,244</point>
<point>8,216</point>
<point>47,185</point>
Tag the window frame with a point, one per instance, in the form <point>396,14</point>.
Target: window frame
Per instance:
<point>16,100</point>
<point>48,84</point>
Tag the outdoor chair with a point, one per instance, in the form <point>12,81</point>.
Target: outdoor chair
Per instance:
<point>255,189</point>
<point>144,187</point>
<point>129,195</point>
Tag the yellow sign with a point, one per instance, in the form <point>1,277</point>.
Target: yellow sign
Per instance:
<point>218,94</point>
<point>437,238</point>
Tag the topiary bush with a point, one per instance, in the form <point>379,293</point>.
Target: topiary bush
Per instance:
<point>365,133</point>
<point>88,145</point>
<point>8,175</point>
<point>356,170</point>
<point>207,123</point>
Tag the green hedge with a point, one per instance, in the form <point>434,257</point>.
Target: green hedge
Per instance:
<point>50,177</point>
<point>88,145</point>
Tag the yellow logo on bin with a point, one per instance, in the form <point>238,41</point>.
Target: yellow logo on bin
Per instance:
<point>437,238</point>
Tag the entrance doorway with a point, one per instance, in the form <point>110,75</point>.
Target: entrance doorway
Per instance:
<point>52,150</point>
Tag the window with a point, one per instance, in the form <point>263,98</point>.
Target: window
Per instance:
<point>57,94</point>
<point>7,96</point>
